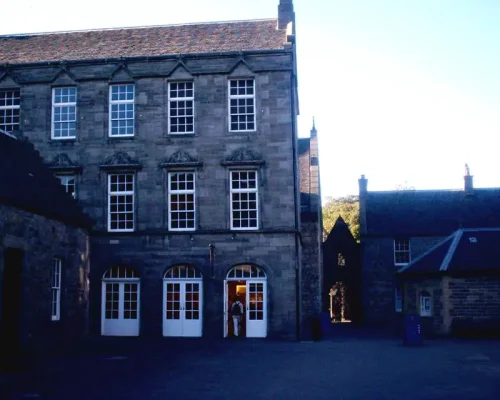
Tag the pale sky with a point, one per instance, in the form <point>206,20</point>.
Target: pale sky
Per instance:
<point>402,91</point>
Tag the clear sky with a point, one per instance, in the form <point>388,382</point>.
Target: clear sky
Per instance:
<point>403,91</point>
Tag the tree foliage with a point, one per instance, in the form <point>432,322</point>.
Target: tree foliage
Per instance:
<point>346,207</point>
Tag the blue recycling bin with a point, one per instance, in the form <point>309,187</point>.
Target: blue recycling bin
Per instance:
<point>412,332</point>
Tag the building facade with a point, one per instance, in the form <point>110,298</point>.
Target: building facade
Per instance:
<point>398,226</point>
<point>181,143</point>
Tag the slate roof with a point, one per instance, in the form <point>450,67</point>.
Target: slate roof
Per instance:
<point>27,183</point>
<point>466,250</point>
<point>430,212</point>
<point>143,41</point>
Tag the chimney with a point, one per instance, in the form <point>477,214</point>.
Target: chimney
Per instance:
<point>468,185</point>
<point>286,15</point>
<point>363,189</point>
<point>363,186</point>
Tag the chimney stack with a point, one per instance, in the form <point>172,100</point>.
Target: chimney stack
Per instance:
<point>363,185</point>
<point>286,15</point>
<point>468,184</point>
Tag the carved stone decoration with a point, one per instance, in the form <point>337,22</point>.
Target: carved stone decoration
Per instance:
<point>243,156</point>
<point>120,160</point>
<point>181,158</point>
<point>62,162</point>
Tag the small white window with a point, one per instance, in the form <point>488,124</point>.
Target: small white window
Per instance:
<point>69,184</point>
<point>121,199</point>
<point>244,200</point>
<point>402,251</point>
<point>121,110</point>
<point>425,304</point>
<point>181,107</point>
<point>241,105</point>
<point>56,289</point>
<point>10,101</point>
<point>64,113</point>
<point>398,299</point>
<point>181,201</point>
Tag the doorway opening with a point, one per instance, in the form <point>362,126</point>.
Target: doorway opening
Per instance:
<point>250,284</point>
<point>12,289</point>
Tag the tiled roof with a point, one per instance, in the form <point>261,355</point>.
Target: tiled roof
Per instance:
<point>430,212</point>
<point>27,183</point>
<point>145,41</point>
<point>465,251</point>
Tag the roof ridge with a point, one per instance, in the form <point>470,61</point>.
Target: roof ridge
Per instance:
<point>21,35</point>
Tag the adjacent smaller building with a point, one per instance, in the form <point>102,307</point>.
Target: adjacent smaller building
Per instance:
<point>44,256</point>
<point>455,285</point>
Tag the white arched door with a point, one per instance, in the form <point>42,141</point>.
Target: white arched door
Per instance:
<point>255,280</point>
<point>182,302</point>
<point>120,302</point>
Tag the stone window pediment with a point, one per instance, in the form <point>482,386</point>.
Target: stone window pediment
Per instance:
<point>244,157</point>
<point>120,161</point>
<point>62,163</point>
<point>181,159</point>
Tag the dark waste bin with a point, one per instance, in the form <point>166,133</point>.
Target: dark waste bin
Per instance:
<point>412,331</point>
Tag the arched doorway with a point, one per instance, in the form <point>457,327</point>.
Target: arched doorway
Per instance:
<point>250,283</point>
<point>182,302</point>
<point>120,302</point>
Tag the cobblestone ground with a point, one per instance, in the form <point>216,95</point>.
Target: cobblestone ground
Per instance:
<point>251,369</point>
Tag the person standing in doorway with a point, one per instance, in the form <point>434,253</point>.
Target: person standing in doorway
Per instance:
<point>236,313</point>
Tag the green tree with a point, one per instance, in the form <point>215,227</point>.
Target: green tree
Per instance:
<point>346,207</point>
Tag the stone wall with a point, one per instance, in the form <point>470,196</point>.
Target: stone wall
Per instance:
<point>377,268</point>
<point>41,240</point>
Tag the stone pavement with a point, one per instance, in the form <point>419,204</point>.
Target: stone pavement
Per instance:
<point>343,368</point>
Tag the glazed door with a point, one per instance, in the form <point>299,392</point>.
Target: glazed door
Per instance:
<point>182,307</point>
<point>120,309</point>
<point>256,314</point>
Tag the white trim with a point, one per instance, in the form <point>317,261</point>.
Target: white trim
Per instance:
<point>241,191</point>
<point>11,107</point>
<point>425,306</point>
<point>237,97</point>
<point>402,251</point>
<point>181,192</point>
<point>56,290</point>
<point>59,105</point>
<point>121,193</point>
<point>119,102</point>
<point>177,99</point>
<point>64,180</point>
<point>451,250</point>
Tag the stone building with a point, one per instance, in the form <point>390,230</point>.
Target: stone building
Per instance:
<point>398,226</point>
<point>181,143</point>
<point>455,285</point>
<point>44,257</point>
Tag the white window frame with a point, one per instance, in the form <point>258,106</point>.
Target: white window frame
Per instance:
<point>61,105</point>
<point>119,103</point>
<point>112,194</point>
<point>239,97</point>
<point>402,246</point>
<point>398,299</point>
<point>181,192</point>
<point>425,305</point>
<point>56,290</point>
<point>241,191</point>
<point>64,180</point>
<point>175,100</point>
<point>10,110</point>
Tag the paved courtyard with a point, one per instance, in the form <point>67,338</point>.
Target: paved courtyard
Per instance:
<point>367,368</point>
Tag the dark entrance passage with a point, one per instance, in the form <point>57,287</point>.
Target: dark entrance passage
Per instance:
<point>11,304</point>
